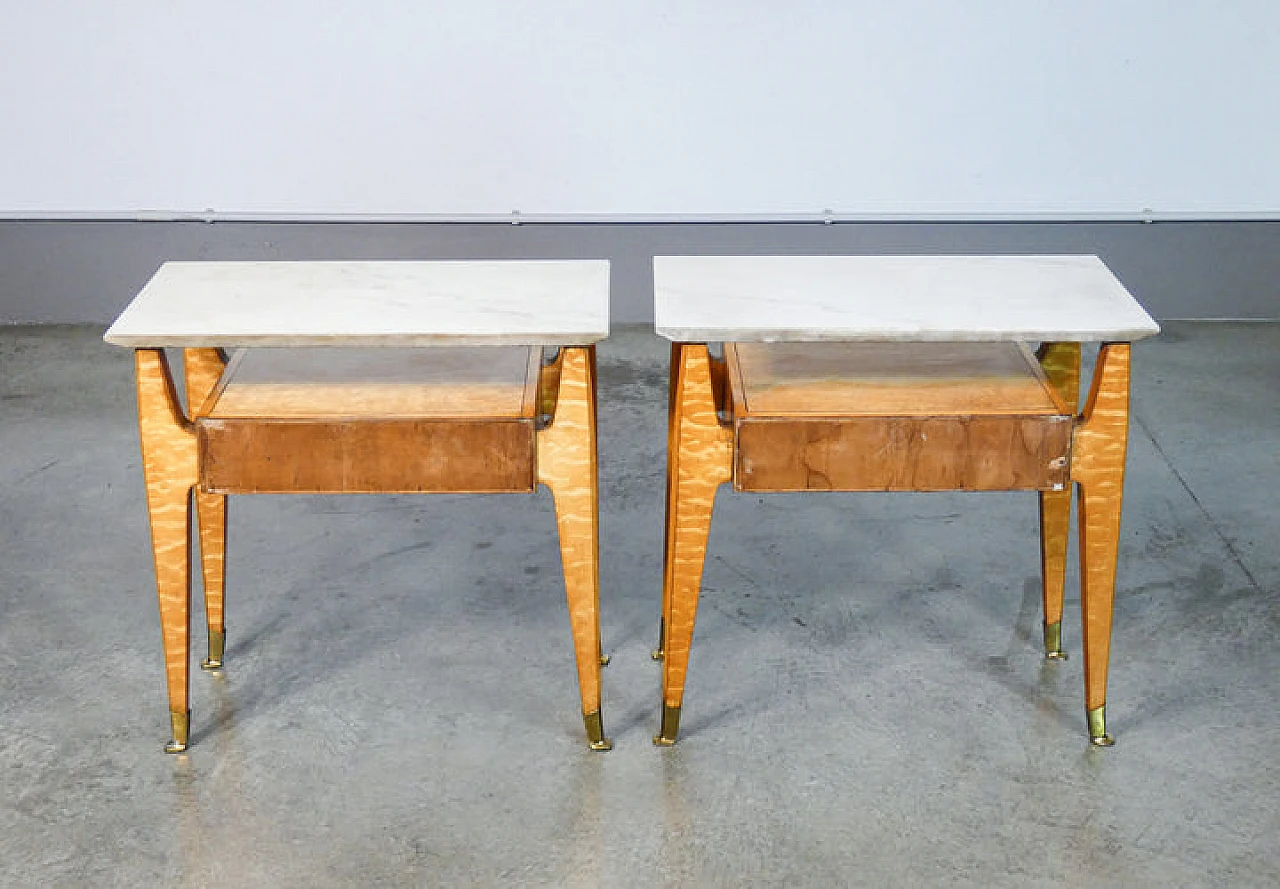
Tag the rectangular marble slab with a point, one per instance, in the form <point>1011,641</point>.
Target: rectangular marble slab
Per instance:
<point>499,302</point>
<point>893,298</point>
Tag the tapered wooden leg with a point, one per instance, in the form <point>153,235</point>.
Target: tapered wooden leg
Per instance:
<point>203,368</point>
<point>567,465</point>
<point>660,652</point>
<point>1061,363</point>
<point>169,466</point>
<point>211,519</point>
<point>1098,457</point>
<point>700,459</point>
<point>595,399</point>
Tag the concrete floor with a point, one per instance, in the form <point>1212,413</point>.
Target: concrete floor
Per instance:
<point>867,703</point>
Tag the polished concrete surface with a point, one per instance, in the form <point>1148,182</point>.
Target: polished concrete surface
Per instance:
<point>867,703</point>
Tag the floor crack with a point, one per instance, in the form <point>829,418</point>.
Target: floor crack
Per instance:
<point>1226,541</point>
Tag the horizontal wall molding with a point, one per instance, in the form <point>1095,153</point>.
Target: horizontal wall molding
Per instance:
<point>515,217</point>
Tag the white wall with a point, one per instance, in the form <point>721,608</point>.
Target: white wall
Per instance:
<point>600,109</point>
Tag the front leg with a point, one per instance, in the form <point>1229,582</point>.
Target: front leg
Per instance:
<point>700,459</point>
<point>169,463</point>
<point>661,651</point>
<point>1098,457</point>
<point>567,465</point>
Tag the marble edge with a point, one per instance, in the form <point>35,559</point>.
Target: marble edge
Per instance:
<point>694,259</point>
<point>231,341</point>
<point>782,335</point>
<point>496,261</point>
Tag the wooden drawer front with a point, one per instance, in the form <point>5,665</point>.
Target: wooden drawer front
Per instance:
<point>973,453</point>
<point>262,456</point>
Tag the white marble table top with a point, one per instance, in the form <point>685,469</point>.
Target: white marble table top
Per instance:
<point>205,304</point>
<point>893,298</point>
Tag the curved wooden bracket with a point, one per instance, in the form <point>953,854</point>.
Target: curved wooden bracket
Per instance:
<point>1061,363</point>
<point>202,369</point>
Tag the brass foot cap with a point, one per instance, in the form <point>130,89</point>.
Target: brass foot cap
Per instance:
<point>669,729</point>
<point>217,648</point>
<point>657,654</point>
<point>1053,642</point>
<point>605,659</point>
<point>181,723</point>
<point>595,732</point>
<point>1098,736</point>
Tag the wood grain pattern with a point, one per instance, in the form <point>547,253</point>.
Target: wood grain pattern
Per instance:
<point>895,417</point>
<point>700,459</point>
<point>566,464</point>
<point>966,453</point>
<point>668,525</point>
<point>1101,443</point>
<point>169,468</point>
<point>203,369</point>
<point>372,455</point>
<point>1061,363</point>
<point>373,421</point>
